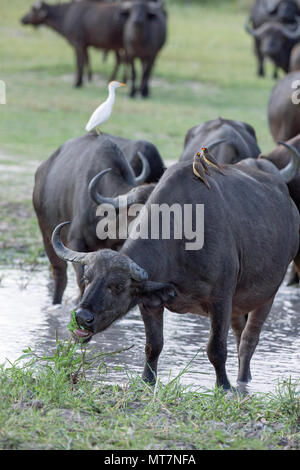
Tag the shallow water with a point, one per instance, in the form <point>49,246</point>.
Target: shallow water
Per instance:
<point>27,318</point>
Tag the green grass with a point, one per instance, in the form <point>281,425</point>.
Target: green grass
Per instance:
<point>48,404</point>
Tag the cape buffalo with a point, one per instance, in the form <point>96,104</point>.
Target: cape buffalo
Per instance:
<point>251,234</point>
<point>276,42</point>
<point>62,191</point>
<point>144,36</point>
<point>284,108</point>
<point>265,11</point>
<point>83,24</point>
<point>238,140</point>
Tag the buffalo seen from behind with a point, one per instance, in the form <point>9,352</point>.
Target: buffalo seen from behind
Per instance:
<point>251,234</point>
<point>81,174</point>
<point>238,140</point>
<point>135,29</point>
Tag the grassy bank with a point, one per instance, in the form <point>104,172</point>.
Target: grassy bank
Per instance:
<point>54,407</point>
<point>206,70</point>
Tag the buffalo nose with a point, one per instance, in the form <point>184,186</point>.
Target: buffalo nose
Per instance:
<point>84,317</point>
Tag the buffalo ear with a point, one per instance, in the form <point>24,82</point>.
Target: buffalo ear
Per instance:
<point>156,294</point>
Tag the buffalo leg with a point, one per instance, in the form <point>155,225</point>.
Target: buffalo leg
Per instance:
<point>80,59</point>
<point>293,279</point>
<point>147,68</point>
<point>250,338</point>
<point>153,321</point>
<point>275,73</point>
<point>116,67</point>
<point>58,269</point>
<point>238,324</point>
<point>260,58</point>
<point>296,266</point>
<point>87,65</point>
<point>217,346</point>
<point>133,79</point>
<point>125,66</point>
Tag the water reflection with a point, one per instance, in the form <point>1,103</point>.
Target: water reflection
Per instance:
<point>27,318</point>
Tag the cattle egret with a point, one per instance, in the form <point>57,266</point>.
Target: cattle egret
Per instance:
<point>103,112</point>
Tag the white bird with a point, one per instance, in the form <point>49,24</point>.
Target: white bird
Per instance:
<point>103,112</point>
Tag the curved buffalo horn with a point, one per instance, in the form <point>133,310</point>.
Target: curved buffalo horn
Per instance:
<point>287,32</point>
<point>146,170</point>
<point>290,171</point>
<point>94,193</point>
<point>62,251</point>
<point>137,273</point>
<point>134,181</point>
<point>291,34</point>
<point>249,29</point>
<point>95,196</point>
<point>214,144</point>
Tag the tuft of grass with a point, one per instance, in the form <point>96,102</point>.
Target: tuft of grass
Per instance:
<point>47,402</point>
<point>73,325</point>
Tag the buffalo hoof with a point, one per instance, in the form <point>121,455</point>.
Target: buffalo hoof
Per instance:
<point>149,378</point>
<point>242,388</point>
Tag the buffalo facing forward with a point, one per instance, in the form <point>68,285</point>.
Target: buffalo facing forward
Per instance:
<point>251,234</point>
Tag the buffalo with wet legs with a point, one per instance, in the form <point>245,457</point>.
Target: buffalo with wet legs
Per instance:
<point>80,175</point>
<point>232,279</point>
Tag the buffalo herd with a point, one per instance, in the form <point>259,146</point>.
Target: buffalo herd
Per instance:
<point>249,230</point>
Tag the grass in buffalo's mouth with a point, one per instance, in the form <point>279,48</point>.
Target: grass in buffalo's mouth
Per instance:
<point>46,402</point>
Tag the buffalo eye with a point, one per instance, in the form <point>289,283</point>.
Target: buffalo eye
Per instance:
<point>116,288</point>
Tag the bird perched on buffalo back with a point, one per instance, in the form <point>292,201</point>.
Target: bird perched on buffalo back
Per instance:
<point>202,161</point>
<point>103,112</point>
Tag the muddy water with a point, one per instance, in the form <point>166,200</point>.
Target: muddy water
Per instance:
<point>27,318</point>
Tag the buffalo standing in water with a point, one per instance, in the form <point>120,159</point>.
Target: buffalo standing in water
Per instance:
<point>251,234</point>
<point>89,165</point>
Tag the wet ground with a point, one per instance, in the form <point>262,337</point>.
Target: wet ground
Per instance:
<point>27,318</point>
